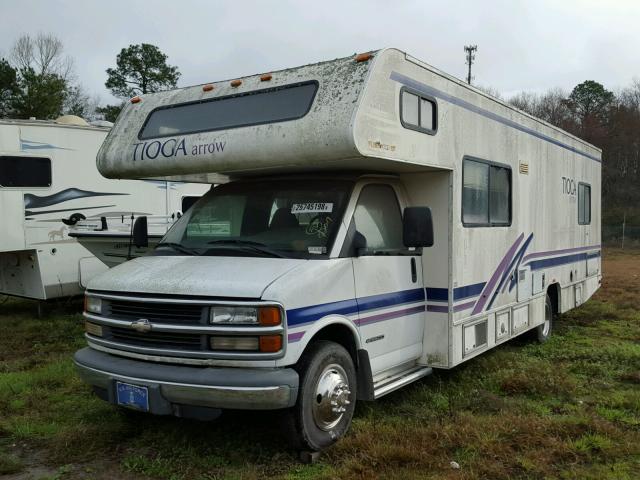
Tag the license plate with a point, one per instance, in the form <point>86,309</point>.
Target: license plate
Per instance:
<point>133,396</point>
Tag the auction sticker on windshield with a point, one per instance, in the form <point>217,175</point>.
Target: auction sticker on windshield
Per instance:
<point>317,207</point>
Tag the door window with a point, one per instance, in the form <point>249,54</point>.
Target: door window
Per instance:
<point>377,217</point>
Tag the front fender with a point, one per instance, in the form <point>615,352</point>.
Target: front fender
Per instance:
<point>302,335</point>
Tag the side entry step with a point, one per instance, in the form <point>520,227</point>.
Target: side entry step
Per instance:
<point>394,382</point>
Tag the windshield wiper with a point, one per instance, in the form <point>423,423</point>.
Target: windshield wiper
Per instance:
<point>248,244</point>
<point>178,248</point>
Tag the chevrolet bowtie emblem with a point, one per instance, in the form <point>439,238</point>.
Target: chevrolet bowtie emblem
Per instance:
<point>142,325</point>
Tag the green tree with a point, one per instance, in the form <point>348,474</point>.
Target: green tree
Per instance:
<point>8,87</point>
<point>39,95</point>
<point>590,103</point>
<point>110,112</point>
<point>141,69</point>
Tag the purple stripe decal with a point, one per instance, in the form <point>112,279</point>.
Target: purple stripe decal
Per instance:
<point>438,308</point>
<point>445,308</point>
<point>496,276</point>
<point>558,252</point>
<point>464,306</point>
<point>389,315</point>
<point>446,302</point>
<point>294,337</point>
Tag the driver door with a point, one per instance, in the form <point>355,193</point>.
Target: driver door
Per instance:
<point>388,282</point>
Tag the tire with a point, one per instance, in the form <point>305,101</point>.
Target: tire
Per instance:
<point>542,332</point>
<point>327,374</point>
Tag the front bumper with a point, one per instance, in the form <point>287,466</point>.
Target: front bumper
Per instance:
<point>173,386</point>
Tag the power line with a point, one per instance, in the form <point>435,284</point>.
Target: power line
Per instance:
<point>470,51</point>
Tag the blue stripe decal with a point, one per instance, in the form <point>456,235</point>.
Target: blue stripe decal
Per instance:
<point>426,89</point>
<point>459,293</point>
<point>390,299</point>
<point>467,291</point>
<point>299,316</point>
<point>437,294</point>
<point>552,262</point>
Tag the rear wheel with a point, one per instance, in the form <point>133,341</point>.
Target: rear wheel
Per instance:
<point>543,332</point>
<point>326,398</point>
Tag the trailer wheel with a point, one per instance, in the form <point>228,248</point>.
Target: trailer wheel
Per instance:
<point>326,398</point>
<point>543,332</point>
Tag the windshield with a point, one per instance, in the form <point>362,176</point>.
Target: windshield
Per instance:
<point>293,219</point>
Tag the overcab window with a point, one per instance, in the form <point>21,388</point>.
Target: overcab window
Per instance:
<point>26,172</point>
<point>418,112</point>
<point>272,105</point>
<point>486,194</point>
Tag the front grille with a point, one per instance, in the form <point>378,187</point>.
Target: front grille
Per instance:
<point>157,312</point>
<point>165,340</point>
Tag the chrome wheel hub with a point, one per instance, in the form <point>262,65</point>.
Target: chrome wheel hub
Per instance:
<point>331,397</point>
<point>547,321</point>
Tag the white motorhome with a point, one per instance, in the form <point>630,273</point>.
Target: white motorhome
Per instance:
<point>380,219</point>
<point>48,183</point>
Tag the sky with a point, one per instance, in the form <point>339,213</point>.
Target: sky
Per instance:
<point>523,45</point>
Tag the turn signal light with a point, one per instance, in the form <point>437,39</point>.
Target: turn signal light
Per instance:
<point>234,343</point>
<point>207,88</point>
<point>93,329</point>
<point>236,83</point>
<point>269,316</point>
<point>363,57</point>
<point>270,343</point>
<point>136,99</point>
<point>266,77</point>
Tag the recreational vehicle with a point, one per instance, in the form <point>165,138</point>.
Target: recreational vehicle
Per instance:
<point>48,183</point>
<point>380,219</point>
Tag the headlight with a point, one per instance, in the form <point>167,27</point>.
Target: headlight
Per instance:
<point>93,304</point>
<point>234,315</point>
<point>231,315</point>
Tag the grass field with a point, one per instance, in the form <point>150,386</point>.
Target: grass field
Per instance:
<point>567,409</point>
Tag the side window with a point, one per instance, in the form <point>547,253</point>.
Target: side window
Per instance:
<point>25,171</point>
<point>377,216</point>
<point>486,194</point>
<point>584,204</point>
<point>418,112</point>
<point>188,201</point>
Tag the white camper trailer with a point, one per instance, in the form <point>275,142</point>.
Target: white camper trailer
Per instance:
<point>381,219</point>
<point>49,182</point>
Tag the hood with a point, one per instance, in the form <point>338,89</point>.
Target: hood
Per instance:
<point>235,277</point>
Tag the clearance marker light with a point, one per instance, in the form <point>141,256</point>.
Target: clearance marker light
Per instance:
<point>266,77</point>
<point>236,83</point>
<point>207,88</point>
<point>136,99</point>
<point>363,57</point>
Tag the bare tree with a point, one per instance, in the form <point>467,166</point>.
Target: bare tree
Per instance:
<point>489,90</point>
<point>550,106</point>
<point>44,54</point>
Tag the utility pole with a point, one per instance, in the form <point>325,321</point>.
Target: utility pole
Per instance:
<point>470,51</point>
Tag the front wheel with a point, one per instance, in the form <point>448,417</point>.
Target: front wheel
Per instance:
<point>327,396</point>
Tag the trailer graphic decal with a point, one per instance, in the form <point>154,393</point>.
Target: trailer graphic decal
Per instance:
<point>426,89</point>
<point>36,201</point>
<point>31,145</point>
<point>29,213</point>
